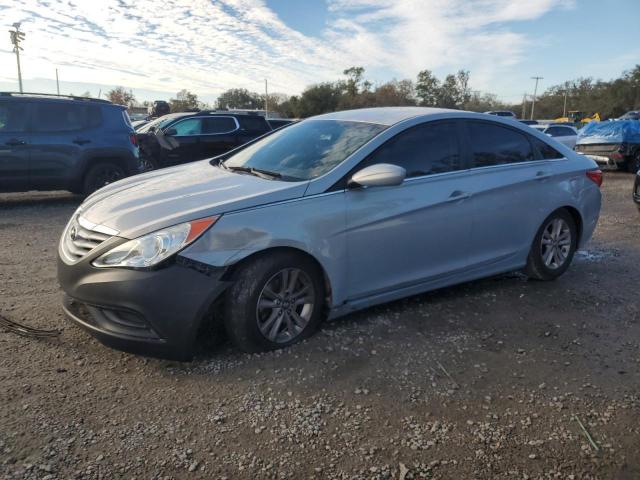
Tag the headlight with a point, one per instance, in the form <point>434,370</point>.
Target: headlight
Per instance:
<point>153,248</point>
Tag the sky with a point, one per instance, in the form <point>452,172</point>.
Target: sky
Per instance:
<point>158,47</point>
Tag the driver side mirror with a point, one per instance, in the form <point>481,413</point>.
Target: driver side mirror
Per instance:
<point>378,175</point>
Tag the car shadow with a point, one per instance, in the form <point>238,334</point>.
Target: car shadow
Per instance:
<point>30,199</point>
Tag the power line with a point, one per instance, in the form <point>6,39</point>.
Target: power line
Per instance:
<point>16,37</point>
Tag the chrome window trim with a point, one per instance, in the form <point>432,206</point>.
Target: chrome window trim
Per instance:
<point>84,223</point>
<point>206,134</point>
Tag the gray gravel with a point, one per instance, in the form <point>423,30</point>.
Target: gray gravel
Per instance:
<point>483,380</point>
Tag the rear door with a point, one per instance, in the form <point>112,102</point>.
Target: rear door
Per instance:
<point>219,135</point>
<point>59,138</point>
<point>14,150</point>
<point>401,236</point>
<point>509,198</point>
<point>251,126</point>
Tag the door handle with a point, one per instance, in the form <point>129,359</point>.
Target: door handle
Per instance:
<point>81,141</point>
<point>457,195</point>
<point>15,142</point>
<point>542,175</point>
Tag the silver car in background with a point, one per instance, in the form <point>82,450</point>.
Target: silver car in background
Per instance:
<point>325,217</point>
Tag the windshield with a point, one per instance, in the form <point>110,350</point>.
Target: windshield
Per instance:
<point>160,122</point>
<point>307,149</point>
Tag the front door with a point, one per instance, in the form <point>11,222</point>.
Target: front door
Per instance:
<point>14,149</point>
<point>181,142</point>
<point>418,231</point>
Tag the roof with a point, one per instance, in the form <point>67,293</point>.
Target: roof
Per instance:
<point>383,115</point>
<point>51,96</point>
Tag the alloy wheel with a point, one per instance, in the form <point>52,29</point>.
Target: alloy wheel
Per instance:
<point>285,305</point>
<point>556,243</point>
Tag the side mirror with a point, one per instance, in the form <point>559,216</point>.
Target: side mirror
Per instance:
<point>379,175</point>
<point>170,131</point>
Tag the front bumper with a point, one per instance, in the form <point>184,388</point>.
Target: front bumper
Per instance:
<point>151,312</point>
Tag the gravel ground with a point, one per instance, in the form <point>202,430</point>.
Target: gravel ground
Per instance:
<point>486,380</point>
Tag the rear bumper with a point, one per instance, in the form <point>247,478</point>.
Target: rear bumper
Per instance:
<point>150,312</point>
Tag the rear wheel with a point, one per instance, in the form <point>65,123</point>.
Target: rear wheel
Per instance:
<point>276,300</point>
<point>100,175</point>
<point>553,247</point>
<point>633,164</point>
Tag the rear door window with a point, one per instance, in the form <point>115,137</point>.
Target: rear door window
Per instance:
<point>425,149</point>
<point>218,125</point>
<point>58,117</point>
<point>544,150</point>
<point>493,144</point>
<point>13,117</point>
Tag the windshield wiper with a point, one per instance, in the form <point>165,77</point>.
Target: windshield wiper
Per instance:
<point>253,171</point>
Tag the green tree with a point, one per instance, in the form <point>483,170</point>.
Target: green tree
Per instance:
<point>120,96</point>
<point>354,80</point>
<point>184,101</point>
<point>427,88</point>
<point>240,98</point>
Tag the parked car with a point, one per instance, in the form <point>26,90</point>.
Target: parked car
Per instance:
<point>565,134</point>
<point>279,122</point>
<point>55,142</point>
<point>158,108</point>
<point>137,117</point>
<point>502,113</point>
<point>636,190</point>
<point>631,115</point>
<point>138,124</point>
<point>325,217</point>
<point>529,122</point>
<point>185,137</point>
<point>614,143</point>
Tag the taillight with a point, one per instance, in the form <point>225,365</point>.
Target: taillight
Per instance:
<point>134,139</point>
<point>595,176</point>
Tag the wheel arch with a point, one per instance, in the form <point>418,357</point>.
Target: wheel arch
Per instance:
<point>577,218</point>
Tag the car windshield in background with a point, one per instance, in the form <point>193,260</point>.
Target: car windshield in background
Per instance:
<point>305,150</point>
<point>159,122</point>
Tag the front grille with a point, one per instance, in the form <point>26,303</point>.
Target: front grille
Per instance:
<point>82,236</point>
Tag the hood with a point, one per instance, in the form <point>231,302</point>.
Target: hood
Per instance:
<point>144,203</point>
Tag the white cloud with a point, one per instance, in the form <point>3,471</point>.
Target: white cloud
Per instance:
<point>208,46</point>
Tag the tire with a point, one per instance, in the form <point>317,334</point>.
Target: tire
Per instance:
<point>261,314</point>
<point>542,264</point>
<point>633,164</point>
<point>100,175</point>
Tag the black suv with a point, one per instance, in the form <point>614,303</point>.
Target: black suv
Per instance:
<point>51,142</point>
<point>185,137</point>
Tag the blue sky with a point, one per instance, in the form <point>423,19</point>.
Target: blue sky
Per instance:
<point>208,46</point>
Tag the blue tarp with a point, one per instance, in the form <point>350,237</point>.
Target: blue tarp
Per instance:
<point>616,131</point>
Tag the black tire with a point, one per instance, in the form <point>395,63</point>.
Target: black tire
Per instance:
<point>242,314</point>
<point>100,175</point>
<point>633,164</point>
<point>536,267</point>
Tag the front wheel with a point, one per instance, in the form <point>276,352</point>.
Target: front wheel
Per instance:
<point>276,300</point>
<point>553,247</point>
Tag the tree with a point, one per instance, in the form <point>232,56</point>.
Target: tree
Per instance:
<point>317,99</point>
<point>240,98</point>
<point>354,79</point>
<point>184,101</point>
<point>120,96</point>
<point>427,88</point>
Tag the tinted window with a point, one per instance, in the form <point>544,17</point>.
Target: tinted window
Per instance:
<point>253,123</point>
<point>59,117</point>
<point>546,152</point>
<point>190,126</point>
<point>13,117</point>
<point>307,149</point>
<point>496,145</point>
<point>422,150</point>
<point>219,125</point>
<point>559,131</point>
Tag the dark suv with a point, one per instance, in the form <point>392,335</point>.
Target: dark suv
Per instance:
<point>51,142</point>
<point>185,137</point>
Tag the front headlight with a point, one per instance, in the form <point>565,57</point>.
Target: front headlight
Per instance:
<point>153,248</point>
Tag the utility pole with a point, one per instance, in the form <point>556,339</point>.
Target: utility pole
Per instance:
<point>16,37</point>
<point>266,99</point>
<point>57,82</point>
<point>535,91</point>
<point>564,109</point>
<point>524,106</point>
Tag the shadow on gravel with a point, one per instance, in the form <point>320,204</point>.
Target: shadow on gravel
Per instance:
<point>39,199</point>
